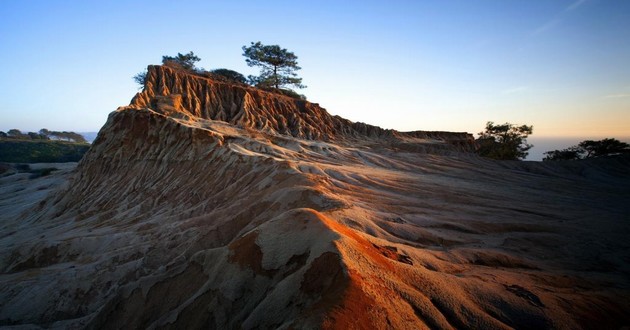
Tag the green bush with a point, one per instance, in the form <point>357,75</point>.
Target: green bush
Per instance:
<point>184,61</point>
<point>504,142</point>
<point>590,149</point>
<point>32,151</point>
<point>141,78</point>
<point>230,75</point>
<point>285,92</point>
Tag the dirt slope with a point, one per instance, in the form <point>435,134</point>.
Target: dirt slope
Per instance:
<point>222,212</point>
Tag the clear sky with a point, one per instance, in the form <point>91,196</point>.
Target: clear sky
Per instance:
<point>562,66</point>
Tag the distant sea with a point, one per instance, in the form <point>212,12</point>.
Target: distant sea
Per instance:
<point>536,153</point>
<point>543,144</point>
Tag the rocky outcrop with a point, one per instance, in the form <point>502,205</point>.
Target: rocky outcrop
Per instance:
<point>172,91</point>
<point>207,205</point>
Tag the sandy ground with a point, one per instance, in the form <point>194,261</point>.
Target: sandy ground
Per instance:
<point>204,205</point>
<point>20,192</point>
<point>235,228</point>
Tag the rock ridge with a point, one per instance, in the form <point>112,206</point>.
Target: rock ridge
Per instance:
<point>182,94</point>
<point>206,204</point>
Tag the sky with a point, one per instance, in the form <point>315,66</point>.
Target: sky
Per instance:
<point>562,66</point>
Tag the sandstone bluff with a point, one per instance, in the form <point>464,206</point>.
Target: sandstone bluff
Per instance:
<point>205,204</point>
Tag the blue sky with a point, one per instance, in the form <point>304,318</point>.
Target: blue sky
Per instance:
<point>560,65</point>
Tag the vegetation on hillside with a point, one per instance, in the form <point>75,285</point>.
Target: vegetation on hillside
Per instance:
<point>43,134</point>
<point>505,141</point>
<point>183,61</point>
<point>42,151</point>
<point>589,149</point>
<point>278,67</point>
<point>230,75</point>
<point>141,78</point>
<point>44,146</point>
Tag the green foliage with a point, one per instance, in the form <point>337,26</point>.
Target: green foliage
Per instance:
<point>571,153</point>
<point>286,92</point>
<point>605,147</point>
<point>41,151</point>
<point>183,61</point>
<point>141,78</point>
<point>16,134</point>
<point>44,134</point>
<point>277,66</point>
<point>230,75</point>
<point>67,136</point>
<point>589,149</point>
<point>36,136</point>
<point>505,141</point>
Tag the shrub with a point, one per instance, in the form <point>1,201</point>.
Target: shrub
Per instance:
<point>589,149</point>
<point>286,92</point>
<point>504,142</point>
<point>230,75</point>
<point>183,61</point>
<point>141,78</point>
<point>42,151</point>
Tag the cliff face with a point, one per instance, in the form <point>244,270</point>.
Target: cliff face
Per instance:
<point>171,91</point>
<point>206,205</point>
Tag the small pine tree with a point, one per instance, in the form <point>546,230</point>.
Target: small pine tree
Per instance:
<point>277,66</point>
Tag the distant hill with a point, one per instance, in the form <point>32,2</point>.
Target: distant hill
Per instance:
<point>41,151</point>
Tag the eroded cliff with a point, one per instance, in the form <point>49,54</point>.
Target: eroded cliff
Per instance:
<point>179,92</point>
<point>205,204</point>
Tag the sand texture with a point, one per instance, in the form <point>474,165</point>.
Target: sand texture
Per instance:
<point>204,205</point>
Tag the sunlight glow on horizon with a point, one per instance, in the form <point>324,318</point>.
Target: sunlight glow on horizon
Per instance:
<point>560,66</point>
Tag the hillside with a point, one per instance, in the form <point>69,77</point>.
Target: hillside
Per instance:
<point>27,151</point>
<point>185,96</point>
<point>208,205</point>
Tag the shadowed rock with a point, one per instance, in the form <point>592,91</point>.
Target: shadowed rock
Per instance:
<point>204,204</point>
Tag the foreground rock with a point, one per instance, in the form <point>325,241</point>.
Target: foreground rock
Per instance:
<point>207,205</point>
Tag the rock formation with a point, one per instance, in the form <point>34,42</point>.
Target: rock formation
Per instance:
<point>205,204</point>
<point>186,95</point>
